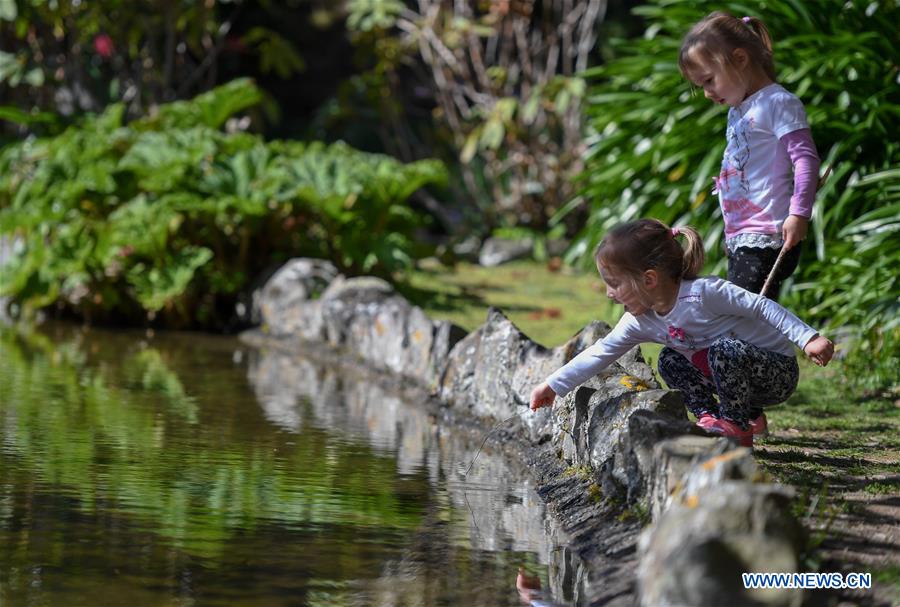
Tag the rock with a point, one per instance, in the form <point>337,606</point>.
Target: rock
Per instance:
<point>633,462</point>
<point>363,317</point>
<point>675,471</point>
<point>497,251</point>
<point>279,304</point>
<point>492,371</point>
<point>481,368</point>
<point>591,432</point>
<point>467,248</point>
<point>360,289</point>
<point>695,553</point>
<point>393,336</point>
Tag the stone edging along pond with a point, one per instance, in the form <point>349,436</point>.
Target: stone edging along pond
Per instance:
<point>661,512</point>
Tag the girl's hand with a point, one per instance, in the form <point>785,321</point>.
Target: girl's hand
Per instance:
<point>542,396</point>
<point>820,350</point>
<point>793,231</point>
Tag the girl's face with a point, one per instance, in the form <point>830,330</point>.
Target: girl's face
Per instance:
<point>720,83</point>
<point>621,291</point>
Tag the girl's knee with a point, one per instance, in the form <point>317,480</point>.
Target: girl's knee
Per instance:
<point>724,347</point>
<point>668,362</point>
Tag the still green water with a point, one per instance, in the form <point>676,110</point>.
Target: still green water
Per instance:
<point>184,469</point>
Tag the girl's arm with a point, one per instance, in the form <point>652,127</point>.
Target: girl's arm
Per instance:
<point>724,297</point>
<point>727,298</point>
<point>588,363</point>
<point>805,161</point>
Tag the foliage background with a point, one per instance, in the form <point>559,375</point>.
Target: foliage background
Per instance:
<point>384,75</point>
<point>170,217</point>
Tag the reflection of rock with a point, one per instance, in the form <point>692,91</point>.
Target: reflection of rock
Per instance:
<point>7,248</point>
<point>502,512</point>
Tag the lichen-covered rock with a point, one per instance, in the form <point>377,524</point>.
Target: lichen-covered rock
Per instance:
<point>481,368</point>
<point>676,458</point>
<point>697,550</point>
<point>285,303</point>
<point>363,317</point>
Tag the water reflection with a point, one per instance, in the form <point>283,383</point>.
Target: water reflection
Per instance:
<point>155,472</point>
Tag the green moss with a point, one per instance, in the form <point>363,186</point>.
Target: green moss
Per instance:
<point>636,512</point>
<point>582,472</point>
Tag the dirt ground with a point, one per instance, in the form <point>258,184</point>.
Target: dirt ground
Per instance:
<point>852,508</point>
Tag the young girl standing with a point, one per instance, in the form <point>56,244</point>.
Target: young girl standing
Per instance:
<point>770,168</point>
<point>721,341</point>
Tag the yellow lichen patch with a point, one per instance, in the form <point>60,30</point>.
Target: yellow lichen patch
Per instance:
<point>721,459</point>
<point>417,336</point>
<point>692,501</point>
<point>633,383</point>
<point>379,328</point>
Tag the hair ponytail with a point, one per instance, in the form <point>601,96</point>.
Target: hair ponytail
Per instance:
<point>762,32</point>
<point>694,255</point>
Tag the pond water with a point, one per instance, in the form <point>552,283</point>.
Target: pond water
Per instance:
<point>184,469</point>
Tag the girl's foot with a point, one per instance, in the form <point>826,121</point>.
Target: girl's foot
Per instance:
<point>760,425</point>
<point>726,428</point>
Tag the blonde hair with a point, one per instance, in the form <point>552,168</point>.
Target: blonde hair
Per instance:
<point>715,38</point>
<point>632,248</point>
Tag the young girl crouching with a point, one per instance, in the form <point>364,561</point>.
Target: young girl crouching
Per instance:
<point>730,351</point>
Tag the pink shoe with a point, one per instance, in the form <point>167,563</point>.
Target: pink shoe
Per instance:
<point>706,421</point>
<point>760,425</point>
<point>726,428</point>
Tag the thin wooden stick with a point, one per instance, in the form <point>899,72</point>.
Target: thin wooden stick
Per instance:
<point>773,271</point>
<point>824,177</point>
<point>780,257</point>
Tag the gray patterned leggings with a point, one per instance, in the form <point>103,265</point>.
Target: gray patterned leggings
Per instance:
<point>745,379</point>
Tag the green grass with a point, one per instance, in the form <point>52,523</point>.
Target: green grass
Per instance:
<point>548,306</point>
<point>839,432</point>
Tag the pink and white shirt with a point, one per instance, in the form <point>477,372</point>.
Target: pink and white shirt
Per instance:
<point>770,166</point>
<point>706,309</point>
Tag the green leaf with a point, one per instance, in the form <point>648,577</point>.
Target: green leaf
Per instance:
<point>157,285</point>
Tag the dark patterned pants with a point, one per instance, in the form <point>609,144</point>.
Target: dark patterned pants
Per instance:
<point>748,267</point>
<point>743,377</point>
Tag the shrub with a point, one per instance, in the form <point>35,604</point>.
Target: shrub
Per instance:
<point>168,215</point>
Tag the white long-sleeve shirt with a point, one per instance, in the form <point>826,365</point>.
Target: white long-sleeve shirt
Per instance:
<point>707,308</point>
